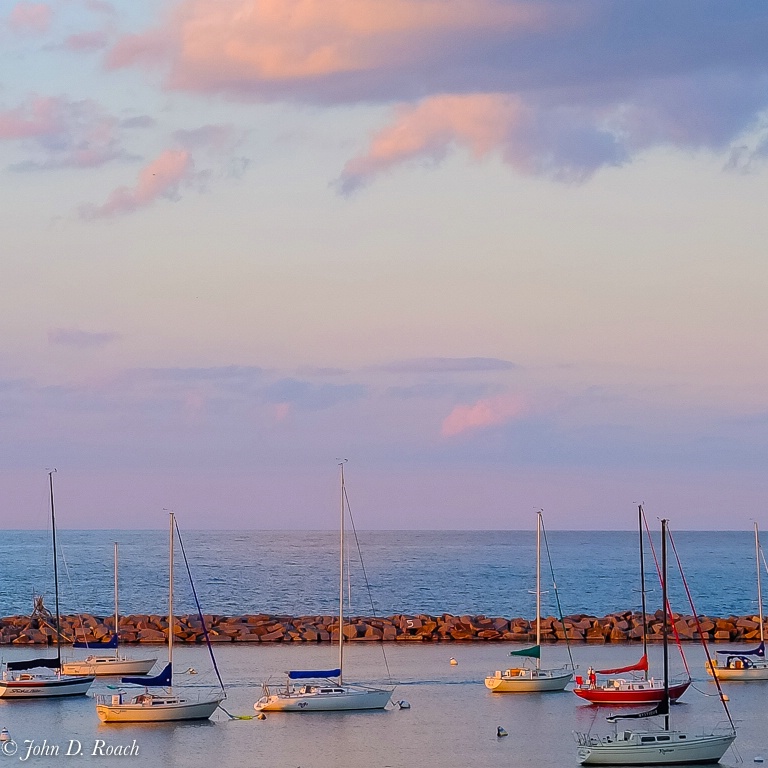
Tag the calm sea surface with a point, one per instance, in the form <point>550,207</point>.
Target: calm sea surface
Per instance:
<point>451,723</point>
<point>476,572</point>
<point>453,718</point>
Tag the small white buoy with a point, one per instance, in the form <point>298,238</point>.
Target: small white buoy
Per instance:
<point>453,662</point>
<point>261,716</point>
<point>5,735</point>
<point>501,732</point>
<point>403,704</point>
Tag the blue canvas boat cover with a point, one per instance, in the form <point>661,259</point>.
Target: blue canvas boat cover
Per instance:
<point>97,646</point>
<point>300,674</point>
<point>32,663</point>
<point>163,680</point>
<point>759,651</point>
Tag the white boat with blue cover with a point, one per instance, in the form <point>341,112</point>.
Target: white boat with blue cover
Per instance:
<point>25,679</point>
<point>735,664</point>
<point>170,705</point>
<point>324,694</point>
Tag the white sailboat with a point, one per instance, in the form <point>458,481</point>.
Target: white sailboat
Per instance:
<point>531,679</point>
<point>95,664</point>
<point>150,707</point>
<point>20,683</point>
<point>739,665</point>
<point>665,747</point>
<point>324,694</point>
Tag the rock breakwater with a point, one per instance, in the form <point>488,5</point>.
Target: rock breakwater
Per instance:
<point>270,628</point>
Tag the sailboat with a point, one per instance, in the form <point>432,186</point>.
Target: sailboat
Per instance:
<point>324,694</point>
<point>665,747</point>
<point>530,679</point>
<point>169,706</point>
<point>629,691</point>
<point>107,665</point>
<point>743,665</point>
<point>17,682</point>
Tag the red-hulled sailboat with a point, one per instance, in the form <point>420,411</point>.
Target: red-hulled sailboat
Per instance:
<point>633,691</point>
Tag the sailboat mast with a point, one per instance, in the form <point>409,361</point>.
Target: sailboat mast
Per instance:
<point>341,581</point>
<point>642,586</point>
<point>665,626</point>
<point>538,586</point>
<point>55,568</point>
<point>170,597</point>
<point>759,585</point>
<point>117,621</point>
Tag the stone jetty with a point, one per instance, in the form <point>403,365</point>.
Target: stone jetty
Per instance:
<point>269,628</point>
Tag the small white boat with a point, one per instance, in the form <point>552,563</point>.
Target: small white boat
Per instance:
<point>324,694</point>
<point>744,665</point>
<point>531,679</point>
<point>18,682</point>
<point>644,748</point>
<point>30,685</point>
<point>323,697</point>
<point>663,747</point>
<point>169,706</point>
<point>94,664</point>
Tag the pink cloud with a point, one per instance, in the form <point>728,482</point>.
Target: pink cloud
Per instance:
<point>484,413</point>
<point>39,116</point>
<point>238,44</point>
<point>67,133</point>
<point>30,17</point>
<point>481,122</point>
<point>282,411</point>
<point>161,178</point>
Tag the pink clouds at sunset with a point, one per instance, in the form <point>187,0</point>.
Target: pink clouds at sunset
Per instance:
<point>237,44</point>
<point>487,412</point>
<point>161,178</point>
<point>30,17</point>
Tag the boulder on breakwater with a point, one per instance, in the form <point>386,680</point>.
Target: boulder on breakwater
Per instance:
<point>623,627</point>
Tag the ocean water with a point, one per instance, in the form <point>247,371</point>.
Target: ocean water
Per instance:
<point>296,572</point>
<point>452,721</point>
<point>453,718</point>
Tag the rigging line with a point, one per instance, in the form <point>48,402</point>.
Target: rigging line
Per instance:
<point>668,607</point>
<point>72,591</point>
<point>557,594</point>
<point>367,583</point>
<point>698,628</point>
<point>199,609</point>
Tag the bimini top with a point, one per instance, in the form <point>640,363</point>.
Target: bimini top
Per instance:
<point>759,651</point>
<point>113,642</point>
<point>301,674</point>
<point>33,663</point>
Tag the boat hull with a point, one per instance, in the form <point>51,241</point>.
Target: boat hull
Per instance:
<point>528,680</point>
<point>108,665</point>
<point>42,687</point>
<point>742,674</point>
<point>688,750</point>
<point>630,694</point>
<point>154,712</point>
<point>352,699</point>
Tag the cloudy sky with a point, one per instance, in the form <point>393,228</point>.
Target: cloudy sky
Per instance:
<point>501,255</point>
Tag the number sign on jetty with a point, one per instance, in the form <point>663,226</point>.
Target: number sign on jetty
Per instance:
<point>268,628</point>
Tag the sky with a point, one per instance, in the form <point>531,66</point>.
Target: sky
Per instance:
<point>500,255</point>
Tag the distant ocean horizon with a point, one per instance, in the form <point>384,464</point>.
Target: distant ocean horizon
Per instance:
<point>414,571</point>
